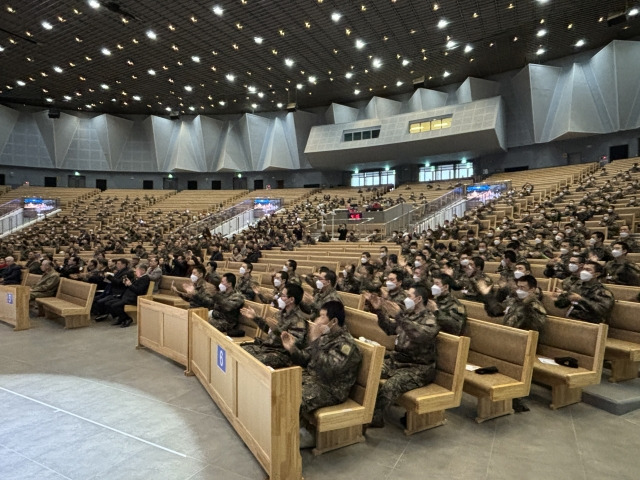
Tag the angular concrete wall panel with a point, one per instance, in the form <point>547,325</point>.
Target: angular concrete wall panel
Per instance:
<point>8,120</point>
<point>341,114</point>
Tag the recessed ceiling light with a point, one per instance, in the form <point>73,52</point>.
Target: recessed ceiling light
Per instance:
<point>451,44</point>
<point>279,105</point>
<point>168,109</point>
<point>151,71</point>
<point>104,86</point>
<point>192,108</point>
<point>376,63</point>
<point>251,89</point>
<point>188,88</point>
<point>1,48</point>
<point>46,25</point>
<point>335,16</point>
<point>580,43</point>
<point>360,44</point>
<point>356,92</point>
<point>152,35</point>
<point>399,83</point>
<point>57,69</point>
<point>570,26</point>
<point>446,74</point>
<point>196,59</point>
<point>222,102</point>
<point>405,62</point>
<point>443,23</point>
<point>299,86</point>
<point>467,48</point>
<point>288,62</point>
<point>312,79</point>
<point>106,51</point>
<point>137,98</point>
<point>254,105</point>
<point>258,40</point>
<point>540,51</point>
<point>348,75</point>
<point>94,4</point>
<point>541,33</point>
<point>68,98</point>
<point>475,15</point>
<point>633,12</point>
<point>260,95</point>
<point>218,10</point>
<point>49,100</point>
<point>21,83</point>
<point>230,76</point>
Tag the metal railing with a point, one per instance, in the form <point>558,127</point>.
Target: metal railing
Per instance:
<point>13,215</point>
<point>219,218</point>
<point>235,224</point>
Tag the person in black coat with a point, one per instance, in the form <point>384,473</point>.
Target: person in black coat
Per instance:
<point>139,286</point>
<point>115,288</point>
<point>11,274</point>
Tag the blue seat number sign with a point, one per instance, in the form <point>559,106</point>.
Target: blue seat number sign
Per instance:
<point>222,359</point>
<point>10,298</point>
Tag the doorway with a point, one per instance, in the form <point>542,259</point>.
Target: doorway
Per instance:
<point>147,184</point>
<point>616,152</point>
<point>50,181</point>
<point>574,158</point>
<point>76,181</point>
<point>192,184</point>
<point>101,183</point>
<point>280,183</point>
<point>216,185</point>
<point>258,184</point>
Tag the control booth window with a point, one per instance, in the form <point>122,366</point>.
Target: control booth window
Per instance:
<point>427,125</point>
<point>371,179</point>
<point>361,134</point>
<point>445,171</point>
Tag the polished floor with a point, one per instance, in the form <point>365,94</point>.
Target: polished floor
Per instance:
<point>85,404</point>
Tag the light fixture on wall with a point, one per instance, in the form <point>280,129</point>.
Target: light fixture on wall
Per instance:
<point>170,175</point>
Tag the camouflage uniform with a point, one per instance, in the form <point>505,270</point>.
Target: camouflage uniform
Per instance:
<point>397,296</point>
<point>413,362</point>
<point>270,351</point>
<point>600,251</point>
<point>349,284</point>
<point>569,282</point>
<point>622,271</point>
<point>319,299</point>
<point>245,286</point>
<point>527,314</point>
<point>595,306</point>
<point>469,285</point>
<point>225,308</point>
<point>451,315</point>
<point>631,243</point>
<point>331,365</point>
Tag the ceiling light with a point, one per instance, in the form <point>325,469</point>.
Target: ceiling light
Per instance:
<point>398,83</point>
<point>348,75</point>
<point>260,95</point>
<point>196,59</point>
<point>218,10</point>
<point>570,26</point>
<point>541,33</point>
<point>192,108</point>
<point>254,105</point>
<point>446,74</point>
<point>258,40</point>
<point>231,77</point>
<point>540,51</point>
<point>188,88</point>
<point>137,98</point>
<point>1,48</point>
<point>152,35</point>
<point>21,83</point>
<point>443,23</point>
<point>151,71</point>
<point>94,4</point>
<point>46,25</point>
<point>251,89</point>
<point>360,44</point>
<point>376,63</point>
<point>279,105</point>
<point>468,48</point>
<point>58,69</point>
<point>106,51</point>
<point>335,16</point>
<point>356,92</point>
<point>475,15</point>
<point>312,79</point>
<point>288,62</point>
<point>68,98</point>
<point>222,102</point>
<point>451,44</point>
<point>104,86</point>
<point>405,62</point>
<point>436,7</point>
<point>49,100</point>
<point>633,12</point>
<point>168,109</point>
<point>580,43</point>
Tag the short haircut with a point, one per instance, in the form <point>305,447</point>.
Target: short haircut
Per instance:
<point>624,245</point>
<point>368,267</point>
<point>200,268</point>
<point>335,310</point>
<point>294,291</point>
<point>123,261</point>
<point>214,265</point>
<point>284,276</point>
<point>445,279</point>
<point>510,255</point>
<point>249,266</point>
<point>599,235</point>
<point>393,258</point>
<point>479,263</point>
<point>331,276</point>
<point>525,264</point>
<point>231,278</point>
<point>530,279</point>
<point>366,254</point>
<point>596,266</point>
<point>399,275</point>
<point>293,265</point>
<point>421,291</point>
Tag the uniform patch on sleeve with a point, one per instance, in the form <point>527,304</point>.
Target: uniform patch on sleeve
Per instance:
<point>345,349</point>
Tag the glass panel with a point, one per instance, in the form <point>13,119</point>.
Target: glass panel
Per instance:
<point>375,133</point>
<point>436,124</point>
<point>357,136</point>
<point>446,122</point>
<point>425,126</point>
<point>414,128</point>
<point>348,137</point>
<point>366,135</point>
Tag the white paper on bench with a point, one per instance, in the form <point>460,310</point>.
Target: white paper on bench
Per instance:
<point>548,361</point>
<point>471,367</point>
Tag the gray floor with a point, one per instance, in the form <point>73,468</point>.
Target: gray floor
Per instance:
<point>84,404</point>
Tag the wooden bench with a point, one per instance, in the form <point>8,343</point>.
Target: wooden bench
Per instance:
<point>352,300</point>
<point>513,352</point>
<point>165,329</point>
<point>426,405</point>
<point>340,425</point>
<point>166,296</point>
<point>262,404</point>
<point>29,279</point>
<point>250,328</point>
<point>72,302</point>
<point>132,310</point>
<point>14,306</point>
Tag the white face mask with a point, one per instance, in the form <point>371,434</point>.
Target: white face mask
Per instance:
<point>558,238</point>
<point>436,290</point>
<point>585,276</point>
<point>409,304</point>
<point>538,240</point>
<point>624,234</point>
<point>285,269</point>
<point>417,263</point>
<point>496,242</point>
<point>464,262</point>
<point>489,234</point>
<point>319,284</point>
<point>482,250</point>
<point>413,250</point>
<point>222,287</point>
<point>592,241</point>
<point>522,294</point>
<point>242,270</point>
<point>277,282</point>
<point>503,262</point>
<point>344,272</point>
<point>390,285</point>
<point>194,278</point>
<point>281,304</point>
<point>382,254</point>
<point>567,231</point>
<point>616,253</point>
<point>364,260</point>
<point>514,238</point>
<point>471,239</point>
<point>518,274</point>
<point>416,278</point>
<point>564,251</point>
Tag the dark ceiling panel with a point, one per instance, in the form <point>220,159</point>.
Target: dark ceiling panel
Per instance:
<point>393,32</point>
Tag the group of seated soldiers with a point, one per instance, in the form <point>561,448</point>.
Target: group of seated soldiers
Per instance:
<point>412,294</point>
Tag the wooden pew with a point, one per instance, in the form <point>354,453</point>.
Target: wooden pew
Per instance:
<point>29,279</point>
<point>352,300</point>
<point>250,328</point>
<point>426,405</point>
<point>513,352</point>
<point>132,310</point>
<point>341,425</point>
<point>262,404</point>
<point>14,306</point>
<point>72,302</point>
<point>166,296</point>
<point>624,292</point>
<point>165,329</point>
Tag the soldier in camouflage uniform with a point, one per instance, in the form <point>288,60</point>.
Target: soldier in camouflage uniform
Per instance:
<point>331,360</point>
<point>576,262</point>
<point>625,236</point>
<point>280,279</point>
<point>225,305</point>
<point>349,283</point>
<point>413,362</point>
<point>450,314</point>
<point>597,250</point>
<point>325,292</point>
<point>588,300</point>
<point>270,351</point>
<point>621,270</point>
<point>290,267</point>
<point>246,284</point>
<point>470,276</point>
